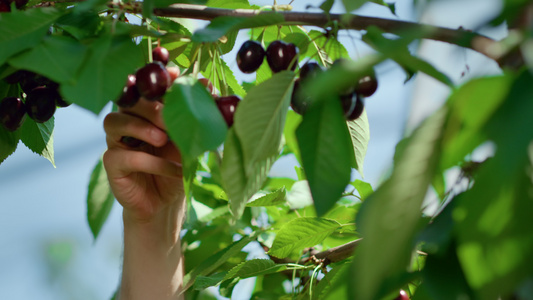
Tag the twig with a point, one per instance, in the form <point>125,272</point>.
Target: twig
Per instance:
<point>460,37</point>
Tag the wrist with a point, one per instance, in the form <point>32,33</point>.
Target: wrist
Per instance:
<point>161,228</point>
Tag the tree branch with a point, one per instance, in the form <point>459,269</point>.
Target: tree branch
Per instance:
<point>459,37</point>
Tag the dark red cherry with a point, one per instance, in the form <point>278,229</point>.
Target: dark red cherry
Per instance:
<point>282,56</point>
<point>299,101</point>
<point>152,81</point>
<point>250,56</point>
<point>130,93</point>
<point>367,85</point>
<point>12,113</point>
<point>310,70</point>
<point>17,76</point>
<point>357,109</point>
<point>4,7</point>
<point>41,103</point>
<point>161,55</point>
<point>227,106</point>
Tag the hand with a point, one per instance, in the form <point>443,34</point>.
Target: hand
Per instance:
<point>146,179</point>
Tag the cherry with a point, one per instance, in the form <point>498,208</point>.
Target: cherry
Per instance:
<point>152,81</point>
<point>402,296</point>
<point>17,76</point>
<point>310,70</point>
<point>250,56</point>
<point>357,107</point>
<point>367,85</point>
<point>130,93</point>
<point>12,113</point>
<point>4,6</point>
<point>161,55</point>
<point>227,106</point>
<point>299,102</point>
<point>41,103</point>
<point>280,56</point>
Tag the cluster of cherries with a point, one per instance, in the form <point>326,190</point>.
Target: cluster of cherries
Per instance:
<point>284,56</point>
<point>42,98</point>
<point>5,5</point>
<point>352,100</point>
<point>280,56</point>
<point>150,82</point>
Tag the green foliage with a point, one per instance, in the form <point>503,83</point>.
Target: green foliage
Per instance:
<point>100,199</point>
<point>479,243</point>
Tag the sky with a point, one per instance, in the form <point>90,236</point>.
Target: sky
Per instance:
<point>46,248</point>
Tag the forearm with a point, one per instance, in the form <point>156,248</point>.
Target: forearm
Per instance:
<point>153,264</point>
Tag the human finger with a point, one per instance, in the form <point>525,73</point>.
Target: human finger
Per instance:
<point>120,163</point>
<point>120,125</point>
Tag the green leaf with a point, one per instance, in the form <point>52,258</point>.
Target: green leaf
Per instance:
<point>300,195</point>
<point>193,120</point>
<point>363,188</point>
<point>351,5</point>
<point>255,267</point>
<point>203,282</point>
<point>301,233</point>
<point>21,30</point>
<point>57,58</point>
<point>398,51</point>
<point>360,136</point>
<point>100,199</point>
<point>216,260</point>
<point>326,152</point>
<point>260,117</point>
<point>224,76</point>
<point>446,266</point>
<point>234,178</point>
<point>334,284</point>
<point>328,49</point>
<point>275,198</point>
<point>388,220</point>
<point>327,5</point>
<point>253,143</point>
<point>221,25</point>
<point>102,76</point>
<point>289,133</point>
<point>471,107</point>
<point>39,137</point>
<point>492,220</point>
<point>8,143</point>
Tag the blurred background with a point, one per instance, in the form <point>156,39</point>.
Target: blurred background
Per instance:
<point>46,248</point>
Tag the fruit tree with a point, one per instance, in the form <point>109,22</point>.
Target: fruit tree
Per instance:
<point>322,235</point>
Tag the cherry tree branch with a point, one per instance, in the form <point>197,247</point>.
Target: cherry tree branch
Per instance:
<point>459,37</point>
